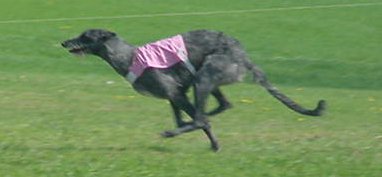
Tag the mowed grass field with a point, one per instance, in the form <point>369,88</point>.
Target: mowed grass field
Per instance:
<point>66,116</point>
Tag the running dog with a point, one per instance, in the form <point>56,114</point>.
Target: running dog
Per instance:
<point>201,59</point>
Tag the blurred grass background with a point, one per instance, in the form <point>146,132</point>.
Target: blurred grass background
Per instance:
<point>64,116</point>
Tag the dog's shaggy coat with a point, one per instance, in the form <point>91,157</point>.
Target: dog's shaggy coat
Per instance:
<point>218,59</point>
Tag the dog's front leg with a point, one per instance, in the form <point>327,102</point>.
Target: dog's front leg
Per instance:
<point>179,102</point>
<point>178,115</point>
<point>178,131</point>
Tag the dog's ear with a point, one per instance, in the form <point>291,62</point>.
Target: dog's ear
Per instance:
<point>112,34</point>
<point>106,35</point>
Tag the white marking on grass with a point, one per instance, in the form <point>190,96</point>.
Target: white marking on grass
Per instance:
<point>110,82</point>
<point>189,13</point>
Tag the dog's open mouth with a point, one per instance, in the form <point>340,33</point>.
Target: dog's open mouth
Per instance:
<point>78,50</point>
<point>75,48</point>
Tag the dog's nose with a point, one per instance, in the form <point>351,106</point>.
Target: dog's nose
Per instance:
<point>63,44</point>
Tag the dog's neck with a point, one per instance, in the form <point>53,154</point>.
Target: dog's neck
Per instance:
<point>118,54</point>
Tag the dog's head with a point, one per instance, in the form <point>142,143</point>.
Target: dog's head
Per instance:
<point>89,42</point>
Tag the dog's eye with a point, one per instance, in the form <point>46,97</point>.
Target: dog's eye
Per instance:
<point>86,39</point>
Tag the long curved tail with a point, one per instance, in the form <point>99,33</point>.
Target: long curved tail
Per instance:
<point>260,78</point>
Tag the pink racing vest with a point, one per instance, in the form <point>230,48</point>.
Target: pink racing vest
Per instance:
<point>161,54</point>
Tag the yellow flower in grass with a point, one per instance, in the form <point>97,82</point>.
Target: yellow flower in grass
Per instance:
<point>372,108</point>
<point>371,99</point>
<point>300,119</point>
<point>121,97</point>
<point>66,27</point>
<point>266,109</point>
<point>247,101</point>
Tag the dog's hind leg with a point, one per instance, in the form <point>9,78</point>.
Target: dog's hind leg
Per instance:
<point>224,104</point>
<point>218,69</point>
<point>202,90</point>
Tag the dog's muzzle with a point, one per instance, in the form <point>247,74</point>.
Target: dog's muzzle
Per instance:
<point>74,48</point>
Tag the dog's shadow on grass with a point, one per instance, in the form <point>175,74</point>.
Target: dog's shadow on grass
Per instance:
<point>17,147</point>
<point>161,149</point>
<point>68,148</point>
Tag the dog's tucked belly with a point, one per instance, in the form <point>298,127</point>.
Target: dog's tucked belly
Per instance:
<point>164,83</point>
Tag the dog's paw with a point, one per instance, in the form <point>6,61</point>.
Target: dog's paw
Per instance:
<point>168,134</point>
<point>215,147</point>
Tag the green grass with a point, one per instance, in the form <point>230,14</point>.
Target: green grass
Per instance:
<point>59,117</point>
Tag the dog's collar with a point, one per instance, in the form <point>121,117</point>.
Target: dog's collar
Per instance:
<point>131,77</point>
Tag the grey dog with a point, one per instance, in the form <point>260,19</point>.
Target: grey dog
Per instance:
<point>217,58</point>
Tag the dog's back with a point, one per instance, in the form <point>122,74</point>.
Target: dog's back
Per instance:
<point>201,43</point>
